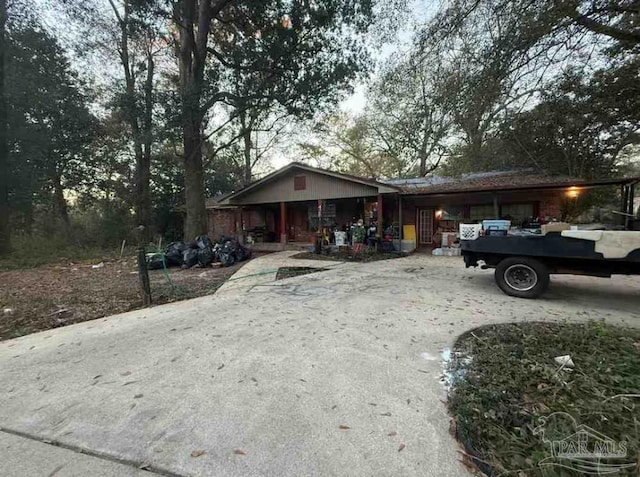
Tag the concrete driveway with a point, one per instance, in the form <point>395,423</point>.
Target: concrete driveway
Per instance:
<point>333,373</point>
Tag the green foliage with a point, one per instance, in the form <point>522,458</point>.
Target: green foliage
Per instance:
<point>50,126</point>
<point>524,88</point>
<point>511,380</point>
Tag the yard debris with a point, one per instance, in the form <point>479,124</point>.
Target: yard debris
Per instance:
<point>198,453</point>
<point>202,252</point>
<point>189,258</point>
<point>239,452</point>
<point>7,311</point>
<point>402,446</point>
<point>564,361</point>
<point>343,427</point>
<point>99,265</point>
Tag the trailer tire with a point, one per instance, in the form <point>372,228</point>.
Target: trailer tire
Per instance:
<point>522,277</point>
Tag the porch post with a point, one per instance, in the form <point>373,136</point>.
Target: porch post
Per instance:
<point>240,235</point>
<point>496,207</point>
<point>400,219</point>
<point>379,231</point>
<point>283,223</point>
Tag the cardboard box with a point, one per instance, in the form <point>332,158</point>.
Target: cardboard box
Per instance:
<point>555,227</point>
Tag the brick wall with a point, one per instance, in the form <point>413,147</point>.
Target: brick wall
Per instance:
<point>550,206</point>
<point>221,222</point>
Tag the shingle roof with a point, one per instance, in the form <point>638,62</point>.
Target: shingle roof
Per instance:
<point>491,181</point>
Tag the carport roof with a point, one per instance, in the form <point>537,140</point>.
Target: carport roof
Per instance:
<point>497,181</point>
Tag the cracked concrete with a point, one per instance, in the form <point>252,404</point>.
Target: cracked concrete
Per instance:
<point>331,373</point>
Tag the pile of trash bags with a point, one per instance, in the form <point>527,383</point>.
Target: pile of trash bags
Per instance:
<point>202,252</point>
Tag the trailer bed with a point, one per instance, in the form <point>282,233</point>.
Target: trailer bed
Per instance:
<point>523,262</point>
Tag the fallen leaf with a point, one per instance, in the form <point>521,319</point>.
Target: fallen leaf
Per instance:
<point>197,453</point>
<point>239,452</point>
<point>138,396</point>
<point>392,433</point>
<point>126,373</point>
<point>402,446</point>
<point>343,427</point>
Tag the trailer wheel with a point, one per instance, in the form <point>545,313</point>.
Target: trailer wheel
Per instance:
<point>522,277</point>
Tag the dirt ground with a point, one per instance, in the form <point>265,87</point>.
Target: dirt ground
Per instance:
<point>65,293</point>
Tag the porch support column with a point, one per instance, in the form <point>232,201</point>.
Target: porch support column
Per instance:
<point>283,223</point>
<point>240,234</point>
<point>496,207</point>
<point>400,232</point>
<point>379,231</point>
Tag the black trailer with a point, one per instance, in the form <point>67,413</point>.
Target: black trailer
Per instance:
<point>523,263</point>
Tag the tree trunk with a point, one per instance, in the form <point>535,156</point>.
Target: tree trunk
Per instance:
<point>246,135</point>
<point>195,223</point>
<point>5,235</point>
<point>59,202</point>
<point>141,139</point>
<point>143,156</point>
<point>193,21</point>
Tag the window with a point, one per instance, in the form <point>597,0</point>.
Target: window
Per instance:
<point>299,182</point>
<point>481,212</point>
<point>517,213</point>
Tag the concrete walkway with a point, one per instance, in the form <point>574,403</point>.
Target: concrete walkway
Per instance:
<point>328,374</point>
<point>263,270</point>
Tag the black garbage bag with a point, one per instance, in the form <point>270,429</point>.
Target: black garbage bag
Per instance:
<point>156,262</point>
<point>242,253</point>
<point>174,251</point>
<point>189,258</point>
<point>204,242</point>
<point>205,256</point>
<point>226,258</point>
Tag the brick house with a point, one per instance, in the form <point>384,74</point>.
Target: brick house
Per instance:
<point>288,205</point>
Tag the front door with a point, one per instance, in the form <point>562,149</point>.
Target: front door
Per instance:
<point>425,226</point>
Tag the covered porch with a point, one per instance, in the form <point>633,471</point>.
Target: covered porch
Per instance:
<point>295,225</point>
<point>299,204</point>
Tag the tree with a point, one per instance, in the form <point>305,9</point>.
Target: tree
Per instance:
<point>50,126</point>
<point>130,31</point>
<point>5,234</point>
<point>276,40</point>
<point>580,128</point>
<point>352,146</point>
<point>138,101</point>
<point>410,112</point>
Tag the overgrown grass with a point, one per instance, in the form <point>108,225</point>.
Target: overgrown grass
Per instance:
<point>33,252</point>
<point>511,380</point>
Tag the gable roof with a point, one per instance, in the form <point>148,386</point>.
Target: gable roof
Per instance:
<point>494,181</point>
<point>383,188</point>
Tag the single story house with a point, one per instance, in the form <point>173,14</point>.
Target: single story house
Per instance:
<point>287,206</point>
